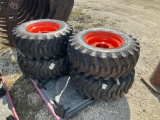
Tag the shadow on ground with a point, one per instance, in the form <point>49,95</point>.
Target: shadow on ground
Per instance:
<point>101,110</point>
<point>154,93</point>
<point>29,105</point>
<point>8,63</point>
<point>27,102</point>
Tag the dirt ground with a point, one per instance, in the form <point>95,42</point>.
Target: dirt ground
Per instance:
<point>139,18</point>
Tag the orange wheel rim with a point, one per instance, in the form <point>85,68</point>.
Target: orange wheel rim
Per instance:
<point>105,40</point>
<point>43,27</point>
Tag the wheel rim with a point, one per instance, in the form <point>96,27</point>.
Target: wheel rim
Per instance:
<point>106,40</point>
<point>43,27</point>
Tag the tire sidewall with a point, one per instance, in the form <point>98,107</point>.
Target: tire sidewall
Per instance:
<point>128,41</point>
<point>22,27</point>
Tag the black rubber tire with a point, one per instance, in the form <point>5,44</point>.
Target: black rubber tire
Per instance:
<point>93,88</point>
<point>42,69</point>
<point>42,45</point>
<point>99,62</point>
<point>3,5</point>
<point>63,9</point>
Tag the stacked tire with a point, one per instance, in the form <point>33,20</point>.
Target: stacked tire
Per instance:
<point>16,12</point>
<point>102,62</point>
<point>42,48</point>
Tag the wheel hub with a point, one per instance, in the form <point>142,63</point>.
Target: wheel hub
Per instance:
<point>105,40</point>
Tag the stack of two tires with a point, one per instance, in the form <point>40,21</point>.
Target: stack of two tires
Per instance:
<point>42,48</point>
<point>102,63</point>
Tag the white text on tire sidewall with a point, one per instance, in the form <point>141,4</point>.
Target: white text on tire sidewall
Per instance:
<point>14,5</point>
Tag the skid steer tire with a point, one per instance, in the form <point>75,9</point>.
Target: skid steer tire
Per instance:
<point>42,38</point>
<point>43,69</point>
<point>102,89</point>
<point>103,53</point>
